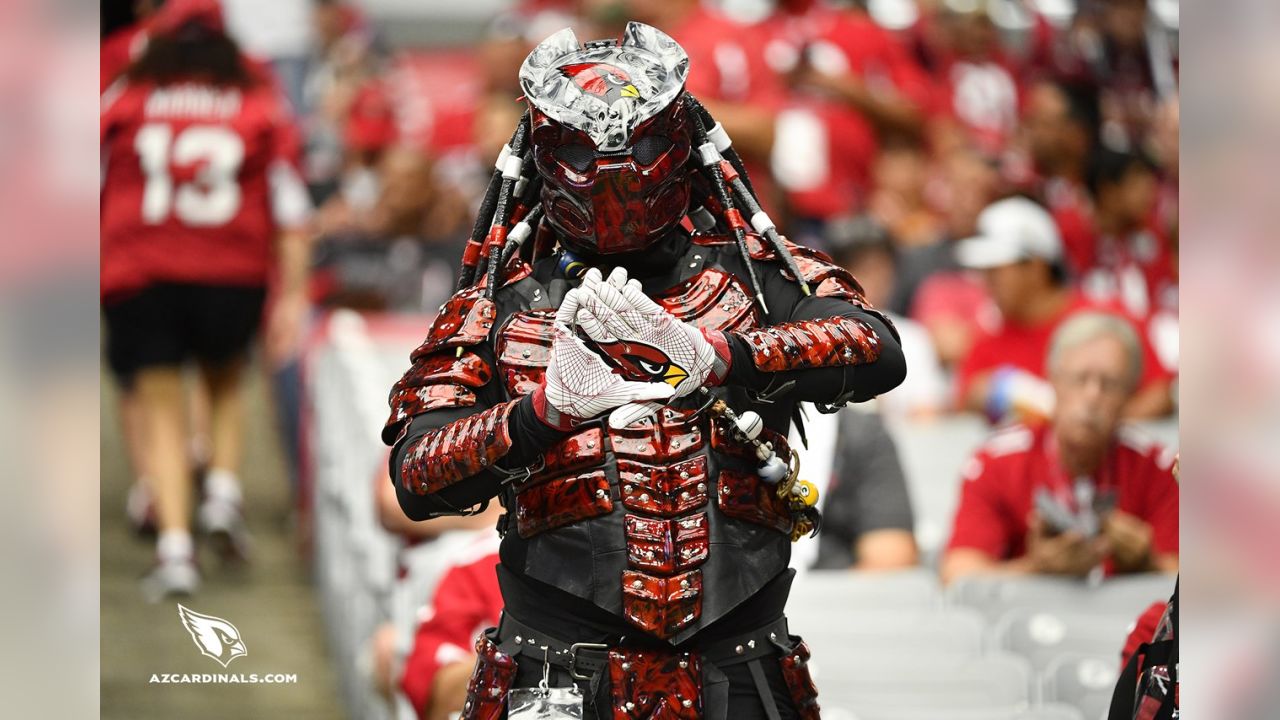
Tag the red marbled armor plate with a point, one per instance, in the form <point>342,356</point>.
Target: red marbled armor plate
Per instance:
<point>666,490</point>
<point>744,496</point>
<point>830,342</point>
<point>655,685</point>
<point>795,671</point>
<point>490,681</point>
<point>712,299</point>
<point>666,546</point>
<point>661,605</point>
<point>673,436</point>
<point>463,321</point>
<point>524,349</point>
<point>578,451</point>
<point>556,503</point>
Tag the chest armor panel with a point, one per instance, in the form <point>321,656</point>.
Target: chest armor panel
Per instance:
<point>665,508</point>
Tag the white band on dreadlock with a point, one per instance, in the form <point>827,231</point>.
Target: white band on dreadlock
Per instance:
<point>520,232</point>
<point>521,184</point>
<point>718,136</point>
<point>762,222</point>
<point>501,162</point>
<point>511,171</point>
<point>710,155</point>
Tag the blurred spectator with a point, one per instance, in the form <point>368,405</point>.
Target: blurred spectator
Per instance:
<point>466,602</point>
<point>1019,253</point>
<point>978,95</point>
<point>854,85</point>
<point>1060,129</point>
<point>391,642</point>
<point>1130,263</point>
<point>1080,492</point>
<point>200,187</point>
<point>866,512</point>
<point>900,200</point>
<point>930,286</point>
<point>733,79</point>
<point>865,249</point>
<point>401,253</point>
<point>1121,49</point>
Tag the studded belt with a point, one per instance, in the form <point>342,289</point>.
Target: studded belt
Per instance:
<point>584,659</point>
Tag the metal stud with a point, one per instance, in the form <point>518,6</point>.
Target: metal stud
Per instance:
<point>637,584</point>
<point>684,474</point>
<point>684,664</point>
<point>591,444</point>
<point>751,644</point>
<point>644,497</point>
<point>524,353</point>
<point>519,639</point>
<point>773,636</point>
<point>626,666</point>
<point>602,493</point>
<point>702,487</point>
<point>739,649</point>
<point>687,703</point>
<point>684,584</point>
<point>630,705</point>
<point>494,691</point>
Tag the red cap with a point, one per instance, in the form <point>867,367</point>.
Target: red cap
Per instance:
<point>173,15</point>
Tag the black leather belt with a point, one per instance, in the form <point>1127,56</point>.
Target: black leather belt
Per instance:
<point>585,659</point>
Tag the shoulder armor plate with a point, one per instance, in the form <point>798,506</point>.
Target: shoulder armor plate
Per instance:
<point>464,320</point>
<point>524,349</point>
<point>712,299</point>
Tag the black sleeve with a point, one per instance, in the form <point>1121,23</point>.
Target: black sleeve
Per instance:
<point>529,439</point>
<point>826,385</point>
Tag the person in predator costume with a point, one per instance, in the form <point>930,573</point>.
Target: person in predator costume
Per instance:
<point>620,368</point>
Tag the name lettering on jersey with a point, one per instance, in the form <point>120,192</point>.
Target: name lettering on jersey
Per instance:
<point>194,101</point>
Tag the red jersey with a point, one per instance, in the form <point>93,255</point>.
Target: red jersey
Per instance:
<point>1001,480</point>
<point>1025,347</point>
<point>467,601</point>
<point>837,181</point>
<point>197,182</point>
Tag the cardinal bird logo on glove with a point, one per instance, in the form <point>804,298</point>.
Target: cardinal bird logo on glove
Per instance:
<point>215,637</point>
<point>639,361</point>
<point>608,82</point>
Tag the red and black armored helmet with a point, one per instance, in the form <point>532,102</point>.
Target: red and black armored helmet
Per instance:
<point>611,137</point>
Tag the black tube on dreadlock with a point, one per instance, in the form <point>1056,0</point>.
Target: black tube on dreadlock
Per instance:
<point>516,241</point>
<point>722,195</point>
<point>746,193</point>
<point>502,211</point>
<point>484,218</point>
<point>770,234</point>
<point>730,153</point>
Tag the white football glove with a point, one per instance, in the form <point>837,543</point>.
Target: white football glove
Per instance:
<point>643,340</point>
<point>579,384</point>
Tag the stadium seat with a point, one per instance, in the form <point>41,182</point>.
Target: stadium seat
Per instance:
<point>1043,635</point>
<point>835,592</point>
<point>868,633</point>
<point>850,683</point>
<point>1083,681</point>
<point>1125,595</point>
<point>932,454</point>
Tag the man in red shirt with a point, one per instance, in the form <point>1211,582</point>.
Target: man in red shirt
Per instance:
<point>1019,251</point>
<point>1081,492</point>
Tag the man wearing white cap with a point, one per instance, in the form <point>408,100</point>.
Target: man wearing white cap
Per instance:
<point>1019,251</point>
